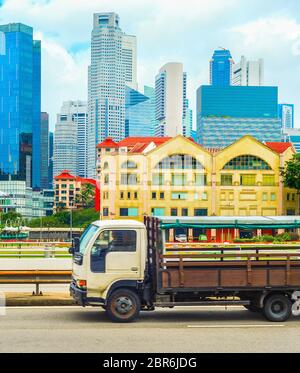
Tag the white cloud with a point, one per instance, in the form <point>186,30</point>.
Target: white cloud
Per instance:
<point>269,32</point>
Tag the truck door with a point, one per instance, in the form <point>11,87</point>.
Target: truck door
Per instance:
<point>115,255</point>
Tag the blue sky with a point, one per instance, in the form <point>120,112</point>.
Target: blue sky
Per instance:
<point>167,30</point>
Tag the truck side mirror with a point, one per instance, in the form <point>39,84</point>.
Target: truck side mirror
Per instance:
<point>75,246</point>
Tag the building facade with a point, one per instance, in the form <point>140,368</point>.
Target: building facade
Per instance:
<point>44,163</point>
<point>220,68</point>
<point>286,115</point>
<point>248,73</point>
<point>293,136</point>
<point>67,187</point>
<point>70,139</point>
<point>181,178</point>
<point>140,112</point>
<point>224,114</point>
<point>20,109</point>
<point>16,196</point>
<point>113,66</point>
<point>50,162</point>
<point>171,100</point>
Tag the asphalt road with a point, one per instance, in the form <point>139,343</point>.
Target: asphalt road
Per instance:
<point>74,329</point>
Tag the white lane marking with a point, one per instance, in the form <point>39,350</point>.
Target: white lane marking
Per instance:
<point>237,326</point>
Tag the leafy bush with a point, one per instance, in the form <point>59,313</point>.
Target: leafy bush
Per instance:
<point>266,238</point>
<point>80,219</point>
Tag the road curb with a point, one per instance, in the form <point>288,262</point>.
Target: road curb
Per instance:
<point>47,299</point>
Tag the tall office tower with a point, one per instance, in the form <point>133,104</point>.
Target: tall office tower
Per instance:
<point>140,112</point>
<point>20,104</point>
<point>171,101</point>
<point>188,122</point>
<point>130,60</point>
<point>70,139</point>
<point>292,135</point>
<point>80,116</point>
<point>50,162</point>
<point>225,114</point>
<point>286,114</point>
<point>248,73</point>
<point>220,68</point>
<point>44,150</point>
<point>113,66</point>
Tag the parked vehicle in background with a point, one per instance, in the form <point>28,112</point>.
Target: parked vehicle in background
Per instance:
<point>181,238</point>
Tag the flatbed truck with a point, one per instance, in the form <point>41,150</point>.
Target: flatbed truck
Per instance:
<point>124,267</point>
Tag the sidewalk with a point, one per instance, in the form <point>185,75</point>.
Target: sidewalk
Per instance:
<point>47,299</point>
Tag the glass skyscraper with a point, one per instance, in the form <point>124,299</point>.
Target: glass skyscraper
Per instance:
<point>20,104</point>
<point>70,139</point>
<point>140,112</point>
<point>44,162</point>
<point>286,114</point>
<point>113,66</point>
<point>224,114</point>
<point>221,68</point>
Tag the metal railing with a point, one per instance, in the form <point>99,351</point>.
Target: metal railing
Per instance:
<point>22,252</point>
<point>36,277</point>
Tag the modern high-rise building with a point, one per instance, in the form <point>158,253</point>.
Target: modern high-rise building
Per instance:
<point>140,112</point>
<point>80,117</point>
<point>188,122</point>
<point>292,135</point>
<point>220,68</point>
<point>224,114</point>
<point>286,114</point>
<point>130,60</point>
<point>113,66</point>
<point>20,105</point>
<point>50,163</point>
<point>44,163</point>
<point>70,151</point>
<point>248,73</point>
<point>171,100</point>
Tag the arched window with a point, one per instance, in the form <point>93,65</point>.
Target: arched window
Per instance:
<point>105,166</point>
<point>129,164</point>
<point>247,162</point>
<point>180,161</point>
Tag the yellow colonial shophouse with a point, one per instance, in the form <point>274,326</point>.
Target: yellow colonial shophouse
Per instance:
<point>177,177</point>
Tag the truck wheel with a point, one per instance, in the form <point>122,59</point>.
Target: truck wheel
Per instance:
<point>277,308</point>
<point>123,306</point>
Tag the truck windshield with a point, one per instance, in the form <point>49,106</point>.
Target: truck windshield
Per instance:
<point>86,237</point>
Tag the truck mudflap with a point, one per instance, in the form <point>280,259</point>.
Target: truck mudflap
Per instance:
<point>296,304</point>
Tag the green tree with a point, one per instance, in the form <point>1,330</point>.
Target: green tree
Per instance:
<point>86,196</point>
<point>10,216</point>
<point>291,173</point>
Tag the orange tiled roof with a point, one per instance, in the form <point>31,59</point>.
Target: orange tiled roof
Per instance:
<point>65,174</point>
<point>108,143</point>
<point>279,147</point>
<point>132,141</point>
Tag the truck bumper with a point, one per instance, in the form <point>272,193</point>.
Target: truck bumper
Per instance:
<point>79,295</point>
<point>81,298</point>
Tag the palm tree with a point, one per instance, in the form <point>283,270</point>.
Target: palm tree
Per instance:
<point>86,196</point>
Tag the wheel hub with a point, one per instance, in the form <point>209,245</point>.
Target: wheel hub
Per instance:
<point>277,307</point>
<point>123,305</point>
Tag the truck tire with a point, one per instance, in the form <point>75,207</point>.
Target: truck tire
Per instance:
<point>277,308</point>
<point>123,306</point>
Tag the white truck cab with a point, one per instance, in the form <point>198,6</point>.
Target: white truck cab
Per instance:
<point>110,255</point>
